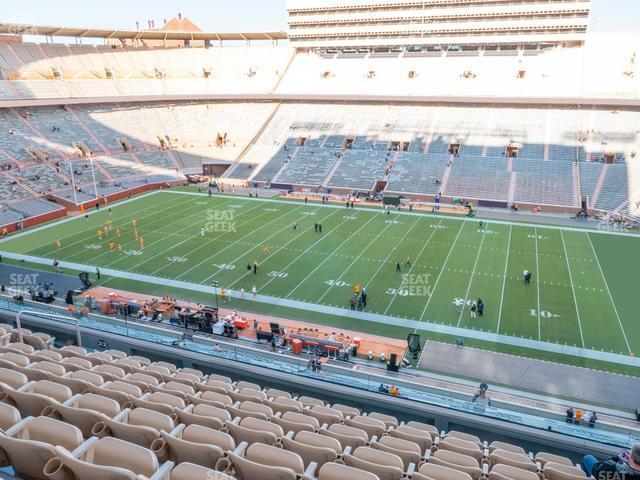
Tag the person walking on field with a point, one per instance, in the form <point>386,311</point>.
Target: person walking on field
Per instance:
<point>474,307</point>
<point>398,267</point>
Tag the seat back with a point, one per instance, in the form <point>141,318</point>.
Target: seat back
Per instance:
<point>336,471</point>
<point>12,378</point>
<point>190,471</point>
<point>190,416</point>
<point>246,469</point>
<point>559,471</point>
<point>457,461</point>
<point>407,451</point>
<point>181,449</point>
<point>110,459</point>
<point>347,436</point>
<point>9,416</point>
<point>508,472</point>
<point>372,426</point>
<point>251,435</point>
<point>30,448</point>
<point>459,445</point>
<point>504,457</point>
<point>438,472</point>
<point>311,453</point>
<point>419,437</point>
<point>544,457</point>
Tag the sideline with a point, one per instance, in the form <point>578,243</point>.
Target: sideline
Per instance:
<point>343,312</point>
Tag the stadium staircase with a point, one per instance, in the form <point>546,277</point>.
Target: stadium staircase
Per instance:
<point>20,182</point>
<point>446,174</point>
<point>333,170</point>
<point>284,72</point>
<point>86,128</point>
<point>286,164</point>
<point>512,182</point>
<point>576,181</point>
<point>253,141</point>
<point>39,133</point>
<point>598,189</point>
<point>174,160</point>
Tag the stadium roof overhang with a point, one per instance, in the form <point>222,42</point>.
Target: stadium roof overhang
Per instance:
<point>24,29</point>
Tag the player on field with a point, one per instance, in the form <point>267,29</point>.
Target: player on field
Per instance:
<point>141,240</point>
<point>120,248</point>
<point>202,232</point>
<point>117,232</point>
<point>99,234</point>
<point>134,222</point>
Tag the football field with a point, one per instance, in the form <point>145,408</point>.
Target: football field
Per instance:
<point>581,293</point>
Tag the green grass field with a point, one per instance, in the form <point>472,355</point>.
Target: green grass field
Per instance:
<point>582,292</point>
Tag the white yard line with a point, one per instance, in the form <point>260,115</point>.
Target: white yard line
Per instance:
<point>249,234</point>
<point>442,269</point>
<point>94,228</point>
<point>460,218</point>
<point>29,231</point>
<point>473,272</point>
<point>257,245</point>
<point>535,234</point>
<point>365,316</point>
<point>207,242</point>
<point>382,264</point>
<point>504,280</point>
<point>433,232</point>
<point>575,301</point>
<point>615,309</point>
<point>135,241</point>
<point>326,258</point>
<point>355,260</point>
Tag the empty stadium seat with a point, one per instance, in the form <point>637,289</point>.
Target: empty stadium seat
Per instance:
<point>313,448</point>
<point>194,444</point>
<point>139,426</point>
<point>253,430</point>
<point>30,443</point>
<point>266,462</point>
<point>190,471</point>
<point>104,458</point>
<point>84,411</point>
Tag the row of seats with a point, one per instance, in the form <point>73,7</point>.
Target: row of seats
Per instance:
<point>102,414</point>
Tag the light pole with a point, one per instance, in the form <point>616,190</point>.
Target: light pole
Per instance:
<point>215,285</point>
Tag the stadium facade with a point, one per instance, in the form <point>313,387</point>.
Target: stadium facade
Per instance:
<point>436,25</point>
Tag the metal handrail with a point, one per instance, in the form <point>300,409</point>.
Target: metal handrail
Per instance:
<point>76,321</point>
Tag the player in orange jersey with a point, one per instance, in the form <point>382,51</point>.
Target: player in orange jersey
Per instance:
<point>119,248</point>
<point>117,231</point>
<point>112,245</point>
<point>99,234</point>
<point>141,240</point>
